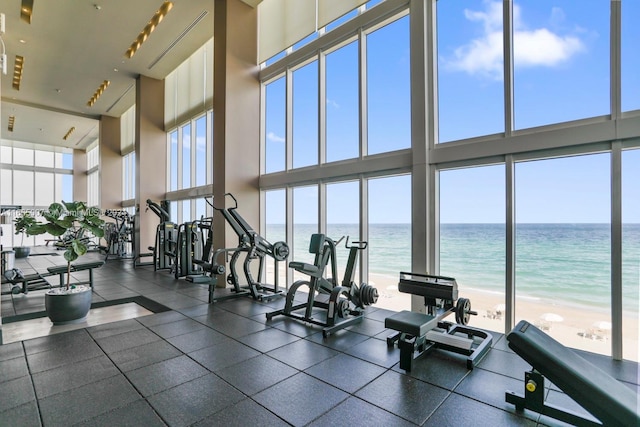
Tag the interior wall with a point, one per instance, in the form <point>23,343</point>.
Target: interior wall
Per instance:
<point>110,163</point>
<point>236,115</point>
<point>151,157</point>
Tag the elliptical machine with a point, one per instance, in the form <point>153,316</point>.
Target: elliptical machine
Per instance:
<point>346,302</point>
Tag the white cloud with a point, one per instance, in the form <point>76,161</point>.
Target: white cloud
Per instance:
<point>539,47</point>
<point>333,103</point>
<point>274,138</point>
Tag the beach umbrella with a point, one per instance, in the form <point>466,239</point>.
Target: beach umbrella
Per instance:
<point>602,325</point>
<point>551,317</point>
<point>500,308</point>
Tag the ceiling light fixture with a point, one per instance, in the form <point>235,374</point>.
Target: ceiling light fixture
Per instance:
<point>12,120</point>
<point>69,132</point>
<point>148,29</point>
<point>26,10</point>
<point>17,72</point>
<point>98,92</point>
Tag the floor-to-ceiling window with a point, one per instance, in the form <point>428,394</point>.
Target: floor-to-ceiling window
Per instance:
<point>472,239</point>
<point>630,255</point>
<point>563,248</point>
<point>529,133</point>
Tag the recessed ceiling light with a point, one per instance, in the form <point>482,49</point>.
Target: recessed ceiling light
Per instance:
<point>98,92</point>
<point>115,69</point>
<point>26,10</point>
<point>23,41</point>
<point>148,29</point>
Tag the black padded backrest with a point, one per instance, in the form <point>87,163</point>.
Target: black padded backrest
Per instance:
<point>316,244</point>
<point>602,395</point>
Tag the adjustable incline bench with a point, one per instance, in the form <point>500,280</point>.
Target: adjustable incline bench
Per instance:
<point>601,395</point>
<point>25,283</point>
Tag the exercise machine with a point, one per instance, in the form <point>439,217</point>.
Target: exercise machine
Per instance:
<point>421,333</point>
<point>23,283</point>
<point>604,397</point>
<point>193,250</point>
<point>118,234</point>
<point>253,246</point>
<point>166,236</point>
<point>346,301</point>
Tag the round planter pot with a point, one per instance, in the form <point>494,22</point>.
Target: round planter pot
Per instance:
<point>71,307</point>
<point>22,251</point>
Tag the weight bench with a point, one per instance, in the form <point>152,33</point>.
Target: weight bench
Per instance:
<point>601,395</point>
<point>424,332</point>
<point>24,283</point>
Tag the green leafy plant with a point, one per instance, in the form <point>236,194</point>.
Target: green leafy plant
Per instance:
<point>23,225</point>
<point>73,220</point>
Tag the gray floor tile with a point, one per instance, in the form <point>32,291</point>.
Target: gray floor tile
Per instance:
<point>357,412</point>
<point>136,414</point>
<point>222,355</point>
<point>115,328</point>
<point>375,351</point>
<point>193,341</point>
<point>144,355</point>
<point>459,411</point>
<point>504,362</point>
<point>407,397</point>
<point>268,339</point>
<point>11,351</point>
<point>346,372</point>
<point>13,368</point>
<point>244,413</point>
<point>163,375</point>
<point>193,401</point>
<point>92,401</point>
<point>172,329</point>
<point>75,339</point>
<point>73,375</point>
<point>438,367</point>
<point>302,354</point>
<point>23,415</point>
<point>127,340</point>
<point>296,399</point>
<point>340,340</point>
<point>62,356</point>
<point>256,374</point>
<point>16,392</point>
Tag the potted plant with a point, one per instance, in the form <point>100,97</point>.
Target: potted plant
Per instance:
<point>23,224</point>
<point>70,303</point>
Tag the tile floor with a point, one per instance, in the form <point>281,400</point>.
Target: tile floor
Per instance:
<point>225,364</point>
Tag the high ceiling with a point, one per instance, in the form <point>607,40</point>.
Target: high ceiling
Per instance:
<point>72,46</point>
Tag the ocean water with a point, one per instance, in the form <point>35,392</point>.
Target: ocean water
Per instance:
<point>568,263</point>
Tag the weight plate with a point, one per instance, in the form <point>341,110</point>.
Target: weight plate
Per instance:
<point>463,311</point>
<point>280,251</point>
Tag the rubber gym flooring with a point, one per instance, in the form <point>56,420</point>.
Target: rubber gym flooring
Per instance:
<point>223,364</point>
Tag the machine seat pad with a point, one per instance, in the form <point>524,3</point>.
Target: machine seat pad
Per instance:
<point>412,323</point>
<point>77,266</point>
<point>602,395</point>
<point>303,267</point>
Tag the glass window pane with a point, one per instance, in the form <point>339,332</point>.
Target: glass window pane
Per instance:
<point>275,211</point>
<point>629,55</point>
<point>275,126</point>
<point>44,158</point>
<point>5,154</point>
<point>44,189</point>
<point>343,220</point>
<point>563,248</point>
<point>173,153</point>
<point>23,188</point>
<point>201,209</point>
<point>67,160</point>
<point>472,239</point>
<point>561,60</point>
<point>6,187</point>
<point>67,187</point>
<point>470,69</point>
<point>305,115</point>
<point>342,104</point>
<point>22,156</point>
<point>305,223</point>
<point>388,88</point>
<point>186,156</point>
<point>186,211</point>
<point>630,253</point>
<point>201,151</point>
<point>389,242</point>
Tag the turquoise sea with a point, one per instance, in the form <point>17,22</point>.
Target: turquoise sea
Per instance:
<point>568,263</point>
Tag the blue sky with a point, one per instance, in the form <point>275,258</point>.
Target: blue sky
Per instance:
<point>561,73</point>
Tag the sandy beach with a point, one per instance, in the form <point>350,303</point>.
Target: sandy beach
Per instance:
<point>585,329</point>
